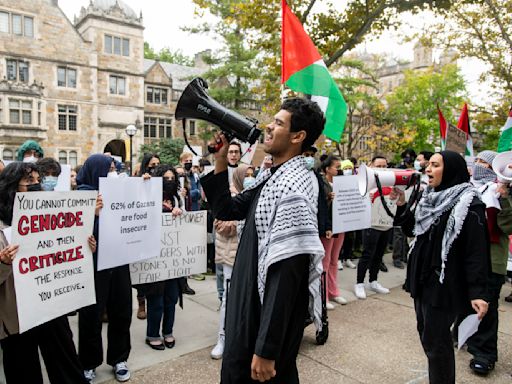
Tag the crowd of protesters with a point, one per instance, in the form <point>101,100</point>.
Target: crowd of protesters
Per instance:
<point>453,241</point>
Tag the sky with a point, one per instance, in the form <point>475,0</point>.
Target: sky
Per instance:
<point>163,19</point>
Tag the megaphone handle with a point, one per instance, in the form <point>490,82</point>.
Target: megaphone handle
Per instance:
<point>218,146</point>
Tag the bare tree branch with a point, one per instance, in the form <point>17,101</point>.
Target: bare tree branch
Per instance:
<point>308,10</point>
<point>503,30</point>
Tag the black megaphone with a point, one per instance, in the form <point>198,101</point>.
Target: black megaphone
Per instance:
<point>195,103</point>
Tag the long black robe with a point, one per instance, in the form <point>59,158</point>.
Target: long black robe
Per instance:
<point>273,330</point>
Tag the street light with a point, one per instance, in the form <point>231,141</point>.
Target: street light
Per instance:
<point>131,130</point>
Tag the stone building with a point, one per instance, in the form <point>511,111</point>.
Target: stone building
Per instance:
<point>75,87</point>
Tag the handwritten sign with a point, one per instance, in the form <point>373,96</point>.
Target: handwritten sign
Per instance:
<point>129,222</point>
<point>350,210</point>
<point>182,253</point>
<point>456,139</point>
<point>53,270</point>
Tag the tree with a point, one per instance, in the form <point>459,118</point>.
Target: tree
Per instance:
<point>481,30</point>
<point>488,124</point>
<point>412,106</point>
<point>169,150</point>
<point>167,55</point>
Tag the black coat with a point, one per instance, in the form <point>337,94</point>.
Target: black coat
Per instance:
<point>467,267</point>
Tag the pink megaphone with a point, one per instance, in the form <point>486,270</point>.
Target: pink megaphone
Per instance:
<point>388,177</point>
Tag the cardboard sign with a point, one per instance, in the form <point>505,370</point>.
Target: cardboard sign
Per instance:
<point>456,139</point>
<point>129,222</point>
<point>53,270</point>
<point>350,210</point>
<point>182,253</point>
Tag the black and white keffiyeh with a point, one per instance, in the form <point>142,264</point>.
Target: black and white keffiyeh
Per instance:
<point>432,206</point>
<point>287,226</point>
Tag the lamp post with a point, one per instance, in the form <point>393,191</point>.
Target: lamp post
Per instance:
<point>131,130</point>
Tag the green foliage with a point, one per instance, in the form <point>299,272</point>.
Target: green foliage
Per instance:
<point>412,107</point>
<point>167,55</point>
<point>488,124</point>
<point>169,150</point>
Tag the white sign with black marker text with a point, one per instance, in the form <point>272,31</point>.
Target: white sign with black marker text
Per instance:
<point>350,210</point>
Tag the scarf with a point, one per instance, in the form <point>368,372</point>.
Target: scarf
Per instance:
<point>434,204</point>
<point>287,226</point>
<point>483,175</point>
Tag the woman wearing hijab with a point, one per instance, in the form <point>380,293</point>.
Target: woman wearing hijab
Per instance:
<point>449,259</point>
<point>113,292</point>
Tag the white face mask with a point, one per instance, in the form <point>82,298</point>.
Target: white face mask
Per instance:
<point>417,165</point>
<point>30,159</point>
<point>310,162</point>
<point>112,175</point>
<point>348,172</point>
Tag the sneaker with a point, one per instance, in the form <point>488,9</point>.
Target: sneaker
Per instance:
<point>359,291</point>
<point>340,265</point>
<point>329,306</point>
<point>383,267</point>
<point>340,300</point>
<point>199,277</point>
<point>376,287</point>
<point>218,350</point>
<point>350,264</point>
<point>122,372</point>
<point>398,264</point>
<point>89,375</point>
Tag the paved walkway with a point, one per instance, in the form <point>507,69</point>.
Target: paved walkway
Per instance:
<point>371,341</point>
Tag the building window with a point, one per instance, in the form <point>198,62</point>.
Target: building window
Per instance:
<point>68,157</point>
<point>39,113</point>
<point>117,85</point>
<point>8,154</point>
<point>20,112</point>
<point>156,95</point>
<point>17,70</point>
<point>157,128</point>
<point>176,95</point>
<point>66,77</point>
<point>67,117</point>
<point>63,157</point>
<point>117,45</point>
<point>16,24</point>
<point>191,127</point>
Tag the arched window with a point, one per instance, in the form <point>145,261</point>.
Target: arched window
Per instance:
<point>63,157</point>
<point>73,159</point>
<point>8,155</point>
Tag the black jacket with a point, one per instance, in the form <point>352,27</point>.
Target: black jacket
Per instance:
<point>467,267</point>
<point>324,210</point>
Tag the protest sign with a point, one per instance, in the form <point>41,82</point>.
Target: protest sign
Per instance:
<point>129,222</point>
<point>350,210</point>
<point>456,139</point>
<point>53,270</point>
<point>248,152</point>
<point>380,217</point>
<point>182,253</point>
<point>64,179</point>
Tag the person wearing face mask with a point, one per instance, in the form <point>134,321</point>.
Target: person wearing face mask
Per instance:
<point>483,344</point>
<point>408,158</point>
<point>332,242</point>
<point>113,294</point>
<point>194,192</point>
<point>54,338</point>
<point>29,152</point>
<point>149,162</point>
<point>226,244</point>
<point>49,169</point>
<point>449,259</point>
<point>162,296</point>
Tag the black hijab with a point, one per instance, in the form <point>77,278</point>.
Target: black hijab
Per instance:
<point>455,170</point>
<point>95,166</point>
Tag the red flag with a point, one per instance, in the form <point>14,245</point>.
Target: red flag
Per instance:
<point>443,124</point>
<point>463,123</point>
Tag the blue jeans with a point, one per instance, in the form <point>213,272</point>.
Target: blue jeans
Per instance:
<point>162,305</point>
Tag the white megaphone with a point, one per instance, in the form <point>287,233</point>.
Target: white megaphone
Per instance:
<point>502,165</point>
<point>388,177</point>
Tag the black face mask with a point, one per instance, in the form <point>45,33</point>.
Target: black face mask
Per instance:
<point>187,166</point>
<point>34,187</point>
<point>170,188</point>
<point>151,170</point>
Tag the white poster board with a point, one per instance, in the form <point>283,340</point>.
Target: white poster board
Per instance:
<point>64,179</point>
<point>248,152</point>
<point>350,210</point>
<point>182,253</point>
<point>380,218</point>
<point>129,222</point>
<point>53,270</point>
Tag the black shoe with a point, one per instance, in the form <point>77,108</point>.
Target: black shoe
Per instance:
<point>383,267</point>
<point>188,291</point>
<point>170,344</point>
<point>481,368</point>
<point>508,298</point>
<point>158,347</point>
<point>398,264</point>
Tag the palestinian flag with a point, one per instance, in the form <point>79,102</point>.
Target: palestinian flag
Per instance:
<point>464,125</point>
<point>443,126</point>
<point>303,70</point>
<point>505,142</point>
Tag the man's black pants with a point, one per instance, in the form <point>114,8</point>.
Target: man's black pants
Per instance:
<point>374,246</point>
